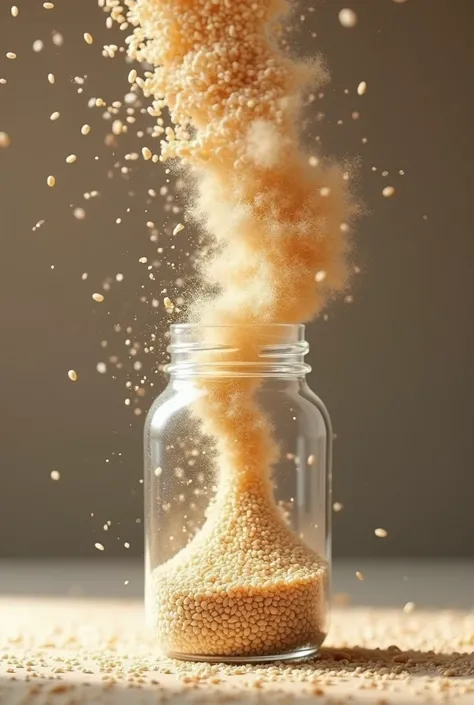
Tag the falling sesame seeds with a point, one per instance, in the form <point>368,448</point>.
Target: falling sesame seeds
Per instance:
<point>55,116</point>
<point>72,374</point>
<point>10,55</point>
<point>85,129</point>
<point>146,153</point>
<point>48,5</point>
<point>51,181</point>
<point>99,546</point>
<point>132,76</point>
<point>168,304</point>
<point>14,11</point>
<point>88,38</point>
<point>98,297</point>
<point>55,475</point>
<point>361,88</point>
<point>381,533</point>
<point>178,228</point>
<point>347,18</point>
<point>51,78</point>
<point>388,191</point>
<point>71,159</point>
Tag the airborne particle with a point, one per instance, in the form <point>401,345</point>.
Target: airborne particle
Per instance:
<point>388,191</point>
<point>14,10</point>
<point>178,228</point>
<point>72,374</point>
<point>381,533</point>
<point>4,139</point>
<point>338,507</point>
<point>347,18</point>
<point>361,88</point>
<point>99,547</point>
<point>51,77</point>
<point>48,5</point>
<point>320,276</point>
<point>51,181</point>
<point>98,297</point>
<point>55,475</point>
<point>54,116</point>
<point>147,154</point>
<point>10,55</point>
<point>79,213</point>
<point>71,159</point>
<point>88,38</point>
<point>359,575</point>
<point>85,129</point>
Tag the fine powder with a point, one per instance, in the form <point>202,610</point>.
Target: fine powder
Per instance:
<point>278,222</point>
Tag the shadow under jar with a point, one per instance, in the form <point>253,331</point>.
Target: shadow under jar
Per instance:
<point>237,498</point>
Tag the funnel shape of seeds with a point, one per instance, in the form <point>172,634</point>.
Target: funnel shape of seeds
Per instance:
<point>245,584</point>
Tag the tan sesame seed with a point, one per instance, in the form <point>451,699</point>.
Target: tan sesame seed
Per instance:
<point>51,181</point>
<point>85,129</point>
<point>71,159</point>
<point>147,154</point>
<point>381,533</point>
<point>72,374</point>
<point>98,297</point>
<point>51,77</point>
<point>55,475</point>
<point>10,55</point>
<point>88,38</point>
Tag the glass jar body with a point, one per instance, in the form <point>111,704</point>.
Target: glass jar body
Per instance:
<point>213,593</point>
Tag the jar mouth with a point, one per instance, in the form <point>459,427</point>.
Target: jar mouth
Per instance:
<point>258,350</point>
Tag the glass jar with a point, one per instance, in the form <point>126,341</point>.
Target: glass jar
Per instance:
<point>237,498</point>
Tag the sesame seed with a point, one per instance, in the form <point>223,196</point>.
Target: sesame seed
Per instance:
<point>72,374</point>
<point>337,507</point>
<point>51,77</point>
<point>71,159</point>
<point>55,475</point>
<point>51,181</point>
<point>88,38</point>
<point>388,191</point>
<point>361,88</point>
<point>147,154</point>
<point>48,5</point>
<point>85,129</point>
<point>169,305</point>
<point>359,575</point>
<point>98,297</point>
<point>54,116</point>
<point>99,546</point>
<point>178,228</point>
<point>320,276</point>
<point>347,18</point>
<point>381,533</point>
<point>14,10</point>
<point>10,55</point>
<point>132,76</point>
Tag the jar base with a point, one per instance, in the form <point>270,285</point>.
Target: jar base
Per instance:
<point>302,654</point>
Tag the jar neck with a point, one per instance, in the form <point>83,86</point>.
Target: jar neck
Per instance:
<point>272,350</point>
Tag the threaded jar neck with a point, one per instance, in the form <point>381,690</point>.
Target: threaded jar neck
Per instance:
<point>268,350</point>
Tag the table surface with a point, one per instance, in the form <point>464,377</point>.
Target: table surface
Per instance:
<point>72,633</point>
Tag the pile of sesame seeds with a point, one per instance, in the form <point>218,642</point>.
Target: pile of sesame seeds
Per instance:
<point>90,652</point>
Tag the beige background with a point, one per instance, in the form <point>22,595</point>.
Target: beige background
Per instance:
<point>394,367</point>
